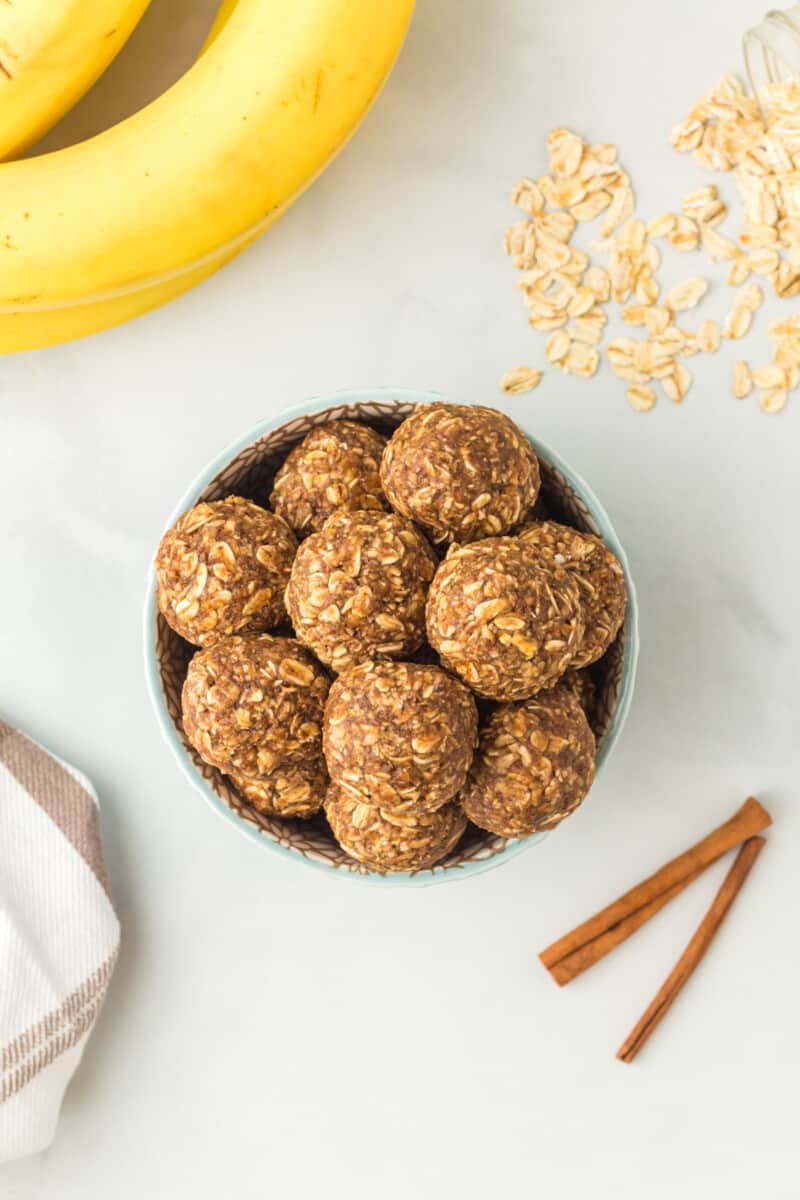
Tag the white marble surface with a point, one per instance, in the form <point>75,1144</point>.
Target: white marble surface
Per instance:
<point>274,1031</point>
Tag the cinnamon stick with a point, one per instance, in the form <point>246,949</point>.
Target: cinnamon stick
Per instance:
<point>592,940</point>
<point>567,968</point>
<point>692,955</point>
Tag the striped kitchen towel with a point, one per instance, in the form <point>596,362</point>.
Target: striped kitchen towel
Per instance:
<point>59,936</point>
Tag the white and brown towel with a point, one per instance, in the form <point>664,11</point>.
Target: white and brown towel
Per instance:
<point>59,936</point>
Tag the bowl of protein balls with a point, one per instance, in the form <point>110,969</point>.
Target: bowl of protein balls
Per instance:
<point>391,636</point>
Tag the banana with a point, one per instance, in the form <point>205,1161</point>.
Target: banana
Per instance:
<point>110,228</point>
<point>226,8</point>
<point>51,52</point>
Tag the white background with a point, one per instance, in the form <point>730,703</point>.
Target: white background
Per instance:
<point>271,1030</point>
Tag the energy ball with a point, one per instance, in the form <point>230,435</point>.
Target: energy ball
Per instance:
<point>583,688</point>
<point>223,568</point>
<point>503,622</point>
<point>598,575</point>
<point>388,841</point>
<point>293,790</point>
<point>400,735</point>
<point>357,588</point>
<point>534,765</point>
<point>336,466</point>
<point>253,704</point>
<point>460,471</point>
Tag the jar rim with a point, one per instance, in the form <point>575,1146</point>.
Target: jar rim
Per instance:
<point>771,49</point>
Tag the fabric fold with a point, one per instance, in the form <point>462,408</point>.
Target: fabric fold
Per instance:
<point>59,936</point>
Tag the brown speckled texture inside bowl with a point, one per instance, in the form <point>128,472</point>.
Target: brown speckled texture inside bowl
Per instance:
<point>250,474</point>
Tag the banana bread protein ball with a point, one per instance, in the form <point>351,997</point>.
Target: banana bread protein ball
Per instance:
<point>584,689</point>
<point>358,587</point>
<point>505,623</point>
<point>293,790</point>
<point>223,568</point>
<point>253,704</point>
<point>460,471</point>
<point>336,466</point>
<point>391,841</point>
<point>598,575</point>
<point>533,767</point>
<point>400,735</point>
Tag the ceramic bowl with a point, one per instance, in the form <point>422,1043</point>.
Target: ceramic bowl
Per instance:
<point>247,468</point>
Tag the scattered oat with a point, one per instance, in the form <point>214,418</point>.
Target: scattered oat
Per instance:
<point>764,262</point>
<point>729,130</point>
<point>737,322</point>
<point>704,206</point>
<point>637,314</point>
<point>709,337</point>
<point>527,196</point>
<point>604,152</point>
<point>687,294</point>
<point>620,352</point>
<point>567,193</point>
<point>591,206</point>
<point>758,236</point>
<point>647,289</point>
<point>581,302</point>
<point>770,376</point>
<point>557,346</point>
<point>597,279</point>
<point>558,225</point>
<point>641,398</point>
<point>661,226</point>
<point>742,380</point>
<point>773,400</point>
<point>567,293</point>
<point>684,235</point>
<point>544,324</point>
<point>520,379</point>
<point>740,269</point>
<point>787,283</point>
<point>566,151</point>
<point>677,383</point>
<point>719,248</point>
<point>687,135</point>
<point>750,296</point>
<point>657,320</point>
<point>581,359</point>
<point>588,328</point>
<point>620,209</point>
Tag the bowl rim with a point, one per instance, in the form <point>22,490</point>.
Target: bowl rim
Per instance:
<point>313,404</point>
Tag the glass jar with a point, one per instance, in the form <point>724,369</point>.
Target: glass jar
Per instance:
<point>772,49</point>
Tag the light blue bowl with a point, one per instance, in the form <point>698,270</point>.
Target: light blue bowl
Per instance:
<point>165,656</point>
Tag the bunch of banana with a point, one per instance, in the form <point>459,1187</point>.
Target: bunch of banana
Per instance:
<point>108,229</point>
